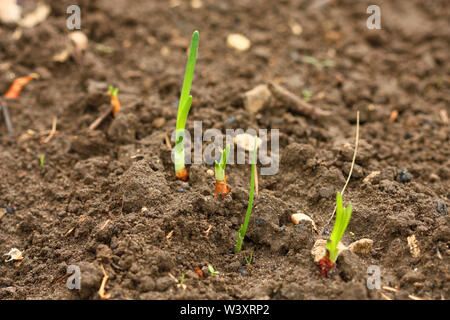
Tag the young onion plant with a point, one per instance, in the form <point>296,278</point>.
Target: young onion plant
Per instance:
<point>343,215</point>
<point>183,110</point>
<point>219,172</point>
<point>243,228</point>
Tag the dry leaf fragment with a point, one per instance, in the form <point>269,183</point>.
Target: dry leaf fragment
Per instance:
<point>14,255</point>
<point>413,246</point>
<point>296,218</point>
<point>361,246</point>
<point>101,291</point>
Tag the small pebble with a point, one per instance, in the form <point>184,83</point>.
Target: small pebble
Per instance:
<point>238,42</point>
<point>10,209</point>
<point>441,207</point>
<point>159,122</point>
<point>257,98</point>
<point>243,271</point>
<point>230,122</point>
<point>434,177</point>
<point>404,176</point>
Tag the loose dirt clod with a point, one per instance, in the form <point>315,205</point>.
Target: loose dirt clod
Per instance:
<point>257,98</point>
<point>361,246</point>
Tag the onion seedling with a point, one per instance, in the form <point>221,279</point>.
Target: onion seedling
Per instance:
<point>243,229</point>
<point>221,178</point>
<point>115,104</point>
<point>183,110</point>
<point>41,160</point>
<point>212,271</point>
<point>18,84</point>
<point>343,215</point>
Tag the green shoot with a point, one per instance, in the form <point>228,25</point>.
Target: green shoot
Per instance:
<point>343,215</point>
<point>220,166</point>
<point>113,92</point>
<point>183,109</point>
<point>182,279</point>
<point>317,63</point>
<point>248,260</point>
<point>243,229</point>
<point>41,160</point>
<point>307,94</point>
<point>103,48</point>
<point>212,271</point>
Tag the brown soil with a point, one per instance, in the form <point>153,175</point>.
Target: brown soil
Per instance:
<point>110,197</point>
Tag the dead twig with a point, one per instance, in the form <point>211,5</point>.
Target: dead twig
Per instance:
<point>385,296</point>
<point>100,119</point>
<point>6,117</point>
<point>166,137</point>
<point>351,169</point>
<point>295,103</point>
<point>393,116</point>
<point>415,298</point>
<point>52,132</point>
<point>64,277</point>
<point>101,291</point>
<point>389,289</point>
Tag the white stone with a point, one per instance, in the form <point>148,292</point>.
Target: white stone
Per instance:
<point>238,42</point>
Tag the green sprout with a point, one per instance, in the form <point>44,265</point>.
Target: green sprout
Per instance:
<point>243,228</point>
<point>212,271</point>
<point>103,48</point>
<point>307,94</point>
<point>182,279</point>
<point>248,260</point>
<point>113,91</point>
<point>220,166</point>
<point>343,215</point>
<point>183,109</point>
<point>317,63</point>
<point>41,160</point>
